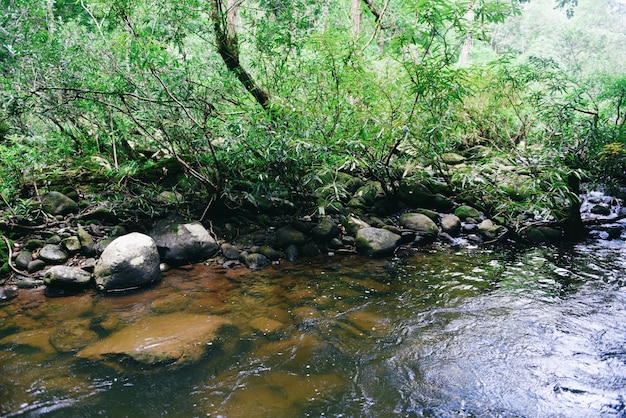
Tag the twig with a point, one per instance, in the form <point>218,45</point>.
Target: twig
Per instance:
<point>11,266</point>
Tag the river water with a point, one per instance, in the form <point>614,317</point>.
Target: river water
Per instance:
<point>535,332</point>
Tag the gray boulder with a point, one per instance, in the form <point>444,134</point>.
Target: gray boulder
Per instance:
<point>420,223</point>
<point>183,242</point>
<point>451,224</point>
<point>376,242</point>
<point>64,277</point>
<point>52,253</point>
<point>129,262</point>
<point>56,203</point>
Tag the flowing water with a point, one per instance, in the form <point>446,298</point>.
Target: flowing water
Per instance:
<point>440,333</point>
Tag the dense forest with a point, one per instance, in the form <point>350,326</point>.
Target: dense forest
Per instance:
<point>508,103</point>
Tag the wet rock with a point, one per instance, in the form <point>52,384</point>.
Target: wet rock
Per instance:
<point>183,242</point>
<point>369,322</point>
<point>53,254</point>
<point>7,293</point>
<point>279,394</point>
<point>71,244</point>
<point>87,244</point>
<point>172,339</point>
<point>35,266</point>
<point>424,227</point>
<point>24,282</point>
<point>129,262</point>
<point>291,252</point>
<point>464,212</point>
<point>489,230</point>
<point>265,325</point>
<point>56,203</point>
<point>33,244</point>
<point>270,253</point>
<point>230,251</point>
<point>65,277</point>
<point>23,259</point>
<point>256,261</point>
<point>376,242</point>
<point>451,224</point>
<point>73,336</point>
<point>601,210</point>
<point>54,239</point>
<point>353,224</point>
<point>34,339</point>
<point>288,235</point>
<point>325,229</point>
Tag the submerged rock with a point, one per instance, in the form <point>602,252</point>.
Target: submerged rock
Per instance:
<point>129,262</point>
<point>177,338</point>
<point>183,242</point>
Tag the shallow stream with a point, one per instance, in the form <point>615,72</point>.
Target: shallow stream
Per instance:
<point>441,333</point>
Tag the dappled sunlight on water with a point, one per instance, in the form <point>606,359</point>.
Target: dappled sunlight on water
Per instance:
<point>540,332</point>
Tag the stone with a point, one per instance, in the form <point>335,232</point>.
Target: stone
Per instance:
<point>71,244</point>
<point>376,242</point>
<point>72,336</point>
<point>128,262</point>
<point>288,235</point>
<point>601,210</point>
<point>66,277</point>
<point>33,244</point>
<point>35,266</point>
<point>56,203</point>
<point>292,252</point>
<point>256,261</point>
<point>325,229</point>
<point>353,224</point>
<point>87,244</point>
<point>465,211</point>
<point>171,340</point>
<point>53,254</point>
<point>270,253</point>
<point>422,224</point>
<point>451,224</point>
<point>183,242</point>
<point>489,230</point>
<point>23,259</point>
<point>230,251</point>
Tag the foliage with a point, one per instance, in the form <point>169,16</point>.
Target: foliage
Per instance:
<point>118,87</point>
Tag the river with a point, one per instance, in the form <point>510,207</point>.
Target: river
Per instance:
<point>537,332</point>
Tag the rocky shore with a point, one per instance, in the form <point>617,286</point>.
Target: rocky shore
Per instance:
<point>79,245</point>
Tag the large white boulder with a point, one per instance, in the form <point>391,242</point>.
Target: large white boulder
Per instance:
<point>128,262</point>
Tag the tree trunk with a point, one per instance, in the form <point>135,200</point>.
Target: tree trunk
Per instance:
<point>224,19</point>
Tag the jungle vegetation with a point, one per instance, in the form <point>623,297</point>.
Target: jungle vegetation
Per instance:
<point>278,98</point>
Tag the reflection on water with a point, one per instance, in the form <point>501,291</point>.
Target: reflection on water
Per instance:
<point>536,333</point>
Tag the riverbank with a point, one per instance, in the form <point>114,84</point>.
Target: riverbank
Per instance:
<point>58,242</point>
